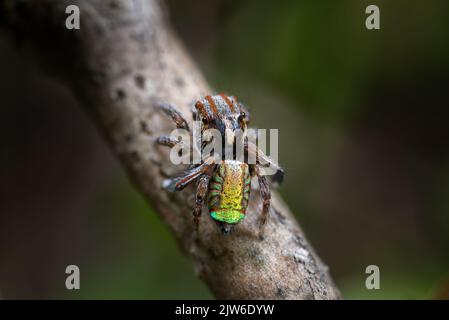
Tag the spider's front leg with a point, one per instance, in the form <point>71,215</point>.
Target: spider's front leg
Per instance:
<point>181,123</point>
<point>265,193</point>
<point>201,193</point>
<point>167,141</point>
<point>173,112</point>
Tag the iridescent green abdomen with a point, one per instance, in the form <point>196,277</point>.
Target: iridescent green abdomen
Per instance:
<point>229,191</point>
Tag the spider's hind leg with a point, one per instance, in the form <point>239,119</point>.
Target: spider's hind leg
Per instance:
<point>201,193</point>
<point>266,196</point>
<point>264,161</point>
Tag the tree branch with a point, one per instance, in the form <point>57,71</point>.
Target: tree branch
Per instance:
<point>122,61</point>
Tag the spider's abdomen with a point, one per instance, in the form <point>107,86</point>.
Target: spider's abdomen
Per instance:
<point>229,191</point>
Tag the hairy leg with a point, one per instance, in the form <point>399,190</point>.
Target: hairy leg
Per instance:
<point>265,193</point>
<point>179,183</point>
<point>201,192</point>
<point>264,161</point>
<point>173,112</point>
<point>167,141</point>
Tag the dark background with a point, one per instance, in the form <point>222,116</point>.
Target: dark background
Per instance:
<point>362,118</point>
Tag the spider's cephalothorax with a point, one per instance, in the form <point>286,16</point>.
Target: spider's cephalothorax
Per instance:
<point>225,184</point>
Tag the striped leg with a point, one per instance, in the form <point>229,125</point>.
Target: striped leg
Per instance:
<point>266,196</point>
<point>170,142</point>
<point>173,112</point>
<point>201,192</point>
<point>167,141</point>
<point>264,161</point>
<point>179,183</point>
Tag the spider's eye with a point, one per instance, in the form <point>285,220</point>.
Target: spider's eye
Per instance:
<point>205,121</point>
<point>242,116</point>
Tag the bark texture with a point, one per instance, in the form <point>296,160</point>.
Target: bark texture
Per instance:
<point>122,61</point>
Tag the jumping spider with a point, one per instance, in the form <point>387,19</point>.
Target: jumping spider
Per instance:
<point>224,184</point>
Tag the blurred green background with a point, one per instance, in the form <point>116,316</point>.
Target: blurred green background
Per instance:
<point>362,118</point>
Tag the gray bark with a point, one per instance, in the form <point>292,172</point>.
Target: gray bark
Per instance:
<point>123,60</point>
